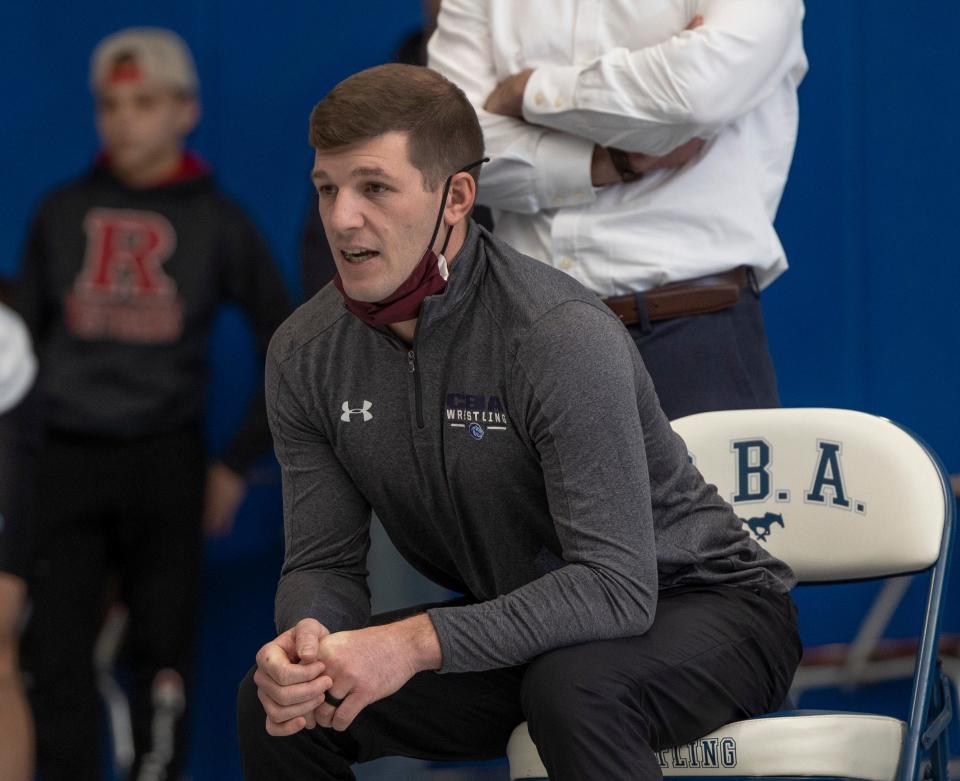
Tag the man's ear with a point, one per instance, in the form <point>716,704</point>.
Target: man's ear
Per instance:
<point>188,114</point>
<point>460,199</point>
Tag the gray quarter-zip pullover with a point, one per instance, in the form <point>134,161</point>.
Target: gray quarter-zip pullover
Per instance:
<point>516,453</point>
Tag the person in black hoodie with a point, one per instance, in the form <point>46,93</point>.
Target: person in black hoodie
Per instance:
<point>124,271</point>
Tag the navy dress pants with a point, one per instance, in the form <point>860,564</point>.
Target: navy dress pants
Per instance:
<point>713,361</point>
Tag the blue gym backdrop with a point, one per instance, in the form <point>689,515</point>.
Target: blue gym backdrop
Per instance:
<point>865,317</point>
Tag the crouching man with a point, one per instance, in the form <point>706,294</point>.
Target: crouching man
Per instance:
<point>498,419</point>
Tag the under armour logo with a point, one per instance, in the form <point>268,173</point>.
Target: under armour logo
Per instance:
<point>364,410</point>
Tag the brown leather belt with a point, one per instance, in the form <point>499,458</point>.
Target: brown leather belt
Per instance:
<point>690,297</point>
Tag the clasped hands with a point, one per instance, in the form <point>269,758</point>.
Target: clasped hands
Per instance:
<point>299,671</point>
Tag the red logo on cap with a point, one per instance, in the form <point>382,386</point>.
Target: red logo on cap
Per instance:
<point>124,70</point>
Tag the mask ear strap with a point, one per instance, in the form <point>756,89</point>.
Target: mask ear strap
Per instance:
<point>446,241</point>
<point>474,164</point>
<point>443,204</point>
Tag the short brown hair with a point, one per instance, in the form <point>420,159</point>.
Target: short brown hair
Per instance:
<point>443,131</point>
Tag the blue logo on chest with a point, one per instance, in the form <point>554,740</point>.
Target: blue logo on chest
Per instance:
<point>477,414</point>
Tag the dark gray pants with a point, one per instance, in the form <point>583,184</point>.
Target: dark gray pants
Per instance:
<point>596,710</point>
<point>712,361</point>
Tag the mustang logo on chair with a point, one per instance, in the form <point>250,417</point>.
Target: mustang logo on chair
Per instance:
<point>760,525</point>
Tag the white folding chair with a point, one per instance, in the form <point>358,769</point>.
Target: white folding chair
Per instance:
<point>841,496</point>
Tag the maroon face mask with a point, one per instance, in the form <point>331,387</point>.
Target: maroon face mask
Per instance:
<point>428,278</point>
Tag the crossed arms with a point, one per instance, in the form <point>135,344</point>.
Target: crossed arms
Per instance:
<point>543,127</point>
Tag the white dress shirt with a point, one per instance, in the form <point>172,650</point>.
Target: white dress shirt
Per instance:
<point>627,74</point>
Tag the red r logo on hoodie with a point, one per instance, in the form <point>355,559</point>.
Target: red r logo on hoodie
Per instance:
<point>122,291</point>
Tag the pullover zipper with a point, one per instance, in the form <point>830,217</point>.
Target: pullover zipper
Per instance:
<point>412,363</point>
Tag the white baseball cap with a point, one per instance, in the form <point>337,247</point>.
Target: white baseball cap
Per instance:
<point>149,53</point>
